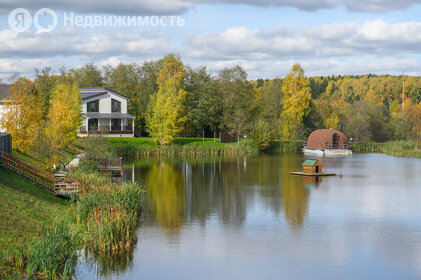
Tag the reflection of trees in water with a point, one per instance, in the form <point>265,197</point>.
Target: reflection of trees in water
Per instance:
<point>294,195</point>
<point>166,194</point>
<point>107,264</point>
<point>197,189</point>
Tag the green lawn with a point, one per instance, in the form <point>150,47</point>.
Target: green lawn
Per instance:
<point>24,208</point>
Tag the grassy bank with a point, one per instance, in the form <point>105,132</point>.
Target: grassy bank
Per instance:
<point>26,211</point>
<point>395,148</point>
<point>145,147</point>
<point>40,233</point>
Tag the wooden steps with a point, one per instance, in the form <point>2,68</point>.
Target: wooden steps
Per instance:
<point>56,186</point>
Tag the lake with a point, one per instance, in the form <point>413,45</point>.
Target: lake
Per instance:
<point>246,218</point>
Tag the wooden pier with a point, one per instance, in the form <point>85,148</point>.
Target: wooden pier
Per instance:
<point>110,165</point>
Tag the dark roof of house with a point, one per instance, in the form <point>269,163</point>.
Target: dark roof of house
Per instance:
<point>4,91</point>
<point>310,162</point>
<point>94,91</point>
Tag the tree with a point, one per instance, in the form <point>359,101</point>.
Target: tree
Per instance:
<point>296,101</point>
<point>22,117</point>
<point>269,103</point>
<point>44,84</point>
<point>203,101</point>
<point>238,106</point>
<point>148,85</point>
<point>64,117</point>
<point>166,112</point>
<point>87,76</point>
<point>263,134</point>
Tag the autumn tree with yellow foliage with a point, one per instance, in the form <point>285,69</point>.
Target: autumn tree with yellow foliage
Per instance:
<point>296,102</point>
<point>64,116</point>
<point>166,112</point>
<point>22,117</point>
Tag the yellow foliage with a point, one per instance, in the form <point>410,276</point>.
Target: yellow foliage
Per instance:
<point>332,121</point>
<point>172,74</point>
<point>166,114</point>
<point>372,97</point>
<point>296,99</point>
<point>22,117</point>
<point>166,195</point>
<point>64,117</point>
<point>413,111</point>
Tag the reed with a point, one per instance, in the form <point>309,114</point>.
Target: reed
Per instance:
<point>146,148</point>
<point>107,212</point>
<point>402,148</point>
<point>284,146</point>
<point>53,255</point>
<point>109,217</point>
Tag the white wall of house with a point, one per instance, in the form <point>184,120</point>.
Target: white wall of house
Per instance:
<point>2,111</point>
<point>105,103</point>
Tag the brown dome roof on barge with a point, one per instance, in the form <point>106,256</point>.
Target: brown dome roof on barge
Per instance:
<point>327,139</point>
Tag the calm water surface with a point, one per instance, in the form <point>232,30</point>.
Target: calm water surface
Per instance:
<point>246,218</point>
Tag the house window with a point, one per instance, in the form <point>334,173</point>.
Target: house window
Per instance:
<point>93,124</point>
<point>115,124</point>
<point>93,106</point>
<point>115,106</point>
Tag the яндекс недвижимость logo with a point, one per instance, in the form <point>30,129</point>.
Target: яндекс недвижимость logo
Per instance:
<point>20,20</point>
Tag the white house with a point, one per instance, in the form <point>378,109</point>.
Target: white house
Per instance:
<point>105,113</point>
<point>4,93</point>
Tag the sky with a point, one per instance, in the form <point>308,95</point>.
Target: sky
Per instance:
<point>265,37</point>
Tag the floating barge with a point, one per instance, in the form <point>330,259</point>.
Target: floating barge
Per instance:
<point>327,143</point>
<point>311,174</point>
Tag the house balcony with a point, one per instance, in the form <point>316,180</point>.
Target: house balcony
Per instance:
<point>106,130</point>
<point>113,125</point>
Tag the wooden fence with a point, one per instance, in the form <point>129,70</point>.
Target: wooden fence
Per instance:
<point>55,185</point>
<point>5,142</point>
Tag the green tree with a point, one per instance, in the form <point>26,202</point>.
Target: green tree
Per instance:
<point>88,75</point>
<point>269,103</point>
<point>148,85</point>
<point>263,134</point>
<point>44,84</point>
<point>166,112</point>
<point>203,101</point>
<point>238,105</point>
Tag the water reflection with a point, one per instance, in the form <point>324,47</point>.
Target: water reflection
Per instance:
<point>246,217</point>
<point>166,194</point>
<point>194,189</point>
<point>108,264</point>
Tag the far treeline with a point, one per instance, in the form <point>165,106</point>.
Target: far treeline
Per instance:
<point>171,99</point>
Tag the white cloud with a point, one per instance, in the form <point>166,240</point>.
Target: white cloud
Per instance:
<point>180,6</point>
<point>371,47</point>
<point>376,37</point>
<point>70,41</point>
